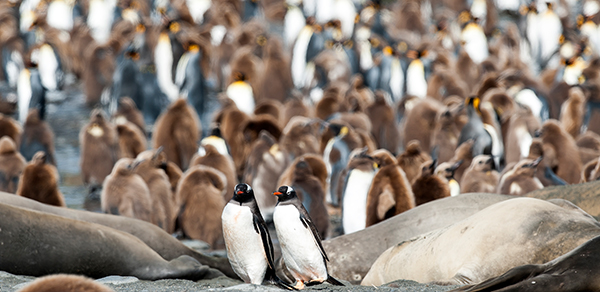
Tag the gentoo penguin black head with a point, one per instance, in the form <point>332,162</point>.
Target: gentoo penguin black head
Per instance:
<point>243,193</point>
<point>285,193</point>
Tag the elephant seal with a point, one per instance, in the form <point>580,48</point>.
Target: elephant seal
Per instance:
<point>576,270</point>
<point>586,196</point>
<point>505,235</point>
<point>38,244</point>
<point>353,254</point>
<point>164,244</point>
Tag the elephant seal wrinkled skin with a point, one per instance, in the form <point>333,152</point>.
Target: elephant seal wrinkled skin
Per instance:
<point>38,244</point>
<point>353,254</point>
<point>505,235</point>
<point>164,244</point>
<point>577,270</point>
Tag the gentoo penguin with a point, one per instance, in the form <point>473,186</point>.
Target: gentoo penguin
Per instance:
<point>37,136</point>
<point>132,140</point>
<point>209,155</point>
<point>573,111</point>
<point>411,160</point>
<point>201,192</point>
<point>125,193</point>
<point>556,139</point>
<point>446,170</point>
<point>99,142</point>
<point>521,179</point>
<point>428,186</point>
<point>359,174</point>
<point>247,239</point>
<point>40,182</point>
<point>164,206</point>
<point>12,164</point>
<point>301,248</point>
<point>266,161</point>
<point>480,177</point>
<point>65,283</point>
<point>178,131</point>
<point>390,192</point>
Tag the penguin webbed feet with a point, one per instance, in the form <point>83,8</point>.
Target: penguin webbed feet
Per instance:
<point>334,281</point>
<point>272,279</point>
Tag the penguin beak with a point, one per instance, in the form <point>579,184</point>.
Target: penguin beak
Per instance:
<point>535,163</point>
<point>239,192</point>
<point>277,193</point>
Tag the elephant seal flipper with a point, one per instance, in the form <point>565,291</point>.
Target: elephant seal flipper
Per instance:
<point>576,270</point>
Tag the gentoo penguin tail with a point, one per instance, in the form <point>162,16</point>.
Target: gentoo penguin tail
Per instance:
<point>271,278</point>
<point>334,281</point>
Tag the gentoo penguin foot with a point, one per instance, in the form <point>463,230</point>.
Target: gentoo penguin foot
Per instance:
<point>299,285</point>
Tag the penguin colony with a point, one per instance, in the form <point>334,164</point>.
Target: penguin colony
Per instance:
<point>362,109</point>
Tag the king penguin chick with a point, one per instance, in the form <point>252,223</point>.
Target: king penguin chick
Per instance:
<point>301,248</point>
<point>412,159</point>
<point>480,177</point>
<point>12,164</point>
<point>521,179</point>
<point>247,239</point>
<point>40,182</point>
<point>447,170</point>
<point>37,136</point>
<point>178,131</point>
<point>99,148</point>
<point>428,186</point>
<point>125,193</point>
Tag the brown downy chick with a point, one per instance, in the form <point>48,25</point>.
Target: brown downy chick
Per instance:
<point>40,182</point>
<point>125,193</point>
<point>480,177</point>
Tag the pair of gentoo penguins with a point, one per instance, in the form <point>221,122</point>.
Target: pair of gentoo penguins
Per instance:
<point>249,246</point>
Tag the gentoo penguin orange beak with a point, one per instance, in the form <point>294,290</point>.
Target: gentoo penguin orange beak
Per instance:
<point>277,193</point>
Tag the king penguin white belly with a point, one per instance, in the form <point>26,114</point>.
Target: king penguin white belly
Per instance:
<point>299,249</point>
<point>354,206</point>
<point>48,67</point>
<point>163,59</point>
<point>244,245</point>
<point>415,79</point>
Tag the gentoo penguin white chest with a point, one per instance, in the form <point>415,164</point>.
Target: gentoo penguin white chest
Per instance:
<point>247,257</point>
<point>247,241</point>
<point>299,248</point>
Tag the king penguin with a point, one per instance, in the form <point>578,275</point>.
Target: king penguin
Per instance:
<point>247,239</point>
<point>301,248</point>
<point>240,92</point>
<point>475,129</point>
<point>474,42</point>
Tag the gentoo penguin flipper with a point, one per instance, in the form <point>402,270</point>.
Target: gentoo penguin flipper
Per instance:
<point>307,222</point>
<point>260,226</point>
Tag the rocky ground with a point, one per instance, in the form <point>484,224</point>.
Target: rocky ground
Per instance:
<point>10,282</point>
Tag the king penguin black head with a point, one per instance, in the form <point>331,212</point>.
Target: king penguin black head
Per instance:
<point>285,193</point>
<point>243,193</point>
